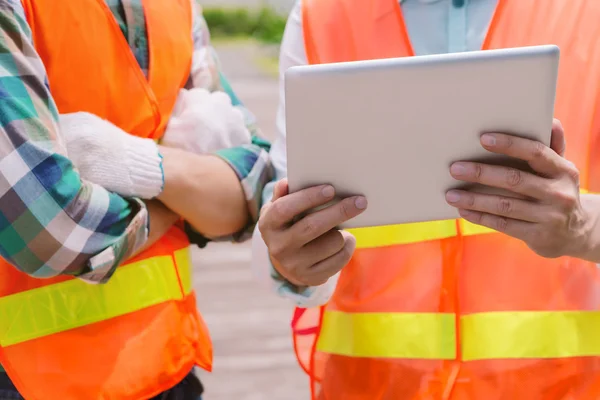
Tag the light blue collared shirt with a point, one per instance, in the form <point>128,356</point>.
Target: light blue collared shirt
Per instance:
<point>447,26</point>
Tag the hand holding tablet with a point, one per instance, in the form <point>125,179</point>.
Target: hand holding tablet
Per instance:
<point>390,129</point>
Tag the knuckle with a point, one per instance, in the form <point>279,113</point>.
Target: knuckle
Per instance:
<point>565,198</point>
<point>568,199</point>
<point>279,246</point>
<point>345,210</point>
<point>277,250</point>
<point>339,242</point>
<point>309,227</point>
<point>277,210</point>
<point>508,141</point>
<point>572,171</point>
<point>558,219</point>
<point>469,199</point>
<point>331,242</point>
<point>263,224</point>
<point>514,177</point>
<point>538,150</point>
<point>265,207</point>
<point>310,197</point>
<point>554,191</point>
<point>505,206</point>
<point>478,171</point>
<point>501,224</point>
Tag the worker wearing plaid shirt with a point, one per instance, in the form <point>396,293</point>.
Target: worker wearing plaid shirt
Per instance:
<point>43,196</point>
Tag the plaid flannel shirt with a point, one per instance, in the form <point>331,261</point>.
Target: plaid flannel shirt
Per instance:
<point>250,162</point>
<point>52,222</point>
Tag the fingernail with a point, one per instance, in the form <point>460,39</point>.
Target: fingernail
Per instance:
<point>488,140</point>
<point>328,191</point>
<point>360,203</point>
<point>458,169</point>
<point>452,196</point>
<point>464,213</point>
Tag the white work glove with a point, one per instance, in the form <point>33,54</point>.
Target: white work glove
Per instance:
<point>112,158</point>
<point>203,122</point>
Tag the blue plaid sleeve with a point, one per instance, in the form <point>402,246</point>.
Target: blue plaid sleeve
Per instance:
<point>250,162</point>
<point>51,222</point>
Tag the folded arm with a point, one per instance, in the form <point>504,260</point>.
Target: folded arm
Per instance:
<point>51,222</point>
<point>217,195</point>
<point>192,180</point>
<point>249,165</point>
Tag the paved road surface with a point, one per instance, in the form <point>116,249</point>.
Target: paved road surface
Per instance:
<point>250,327</point>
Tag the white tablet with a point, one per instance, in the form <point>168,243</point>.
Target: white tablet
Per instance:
<point>389,129</point>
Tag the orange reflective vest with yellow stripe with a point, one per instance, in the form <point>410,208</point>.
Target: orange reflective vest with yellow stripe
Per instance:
<point>446,309</point>
<point>139,334</point>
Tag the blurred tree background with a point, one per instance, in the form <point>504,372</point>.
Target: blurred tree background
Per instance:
<point>263,24</point>
<point>257,24</point>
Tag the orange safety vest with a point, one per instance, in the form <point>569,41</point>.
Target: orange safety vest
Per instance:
<point>139,334</point>
<point>448,309</point>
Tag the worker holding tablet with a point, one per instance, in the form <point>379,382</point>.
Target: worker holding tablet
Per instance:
<point>450,310</point>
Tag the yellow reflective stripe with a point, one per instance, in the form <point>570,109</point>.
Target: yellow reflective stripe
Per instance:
<point>382,236</point>
<point>403,234</point>
<point>184,264</point>
<point>414,233</point>
<point>74,303</point>
<point>493,335</point>
<point>388,335</point>
<point>468,228</point>
<point>549,334</point>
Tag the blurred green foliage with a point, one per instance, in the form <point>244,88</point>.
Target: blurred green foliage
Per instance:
<point>263,24</point>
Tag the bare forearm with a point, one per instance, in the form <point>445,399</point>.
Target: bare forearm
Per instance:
<point>205,191</point>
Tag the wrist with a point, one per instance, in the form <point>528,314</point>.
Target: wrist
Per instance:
<point>145,167</point>
<point>586,243</point>
<point>177,172</point>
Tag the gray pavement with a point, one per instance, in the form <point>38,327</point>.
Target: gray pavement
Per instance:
<point>254,358</point>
